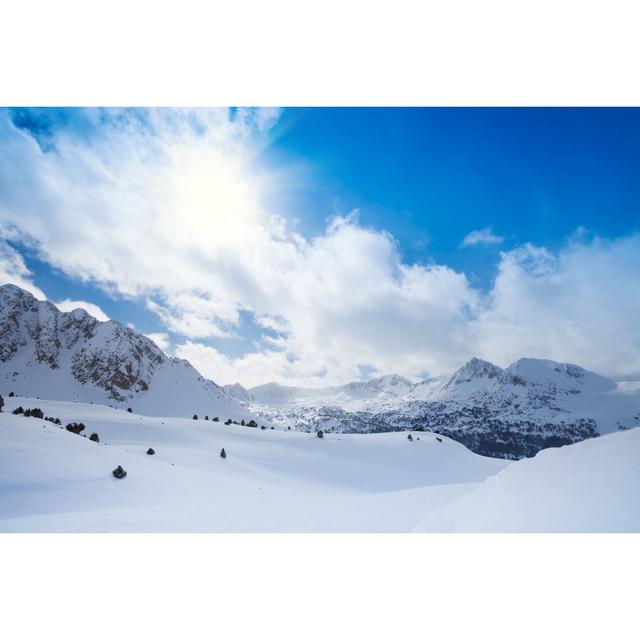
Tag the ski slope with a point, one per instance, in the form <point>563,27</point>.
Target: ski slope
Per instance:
<point>52,480</point>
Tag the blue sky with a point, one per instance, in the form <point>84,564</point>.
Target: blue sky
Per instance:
<point>301,244</point>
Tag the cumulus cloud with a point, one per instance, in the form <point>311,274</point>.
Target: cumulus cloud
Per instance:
<point>483,237</point>
<point>167,207</point>
<point>580,304</point>
<point>92,309</point>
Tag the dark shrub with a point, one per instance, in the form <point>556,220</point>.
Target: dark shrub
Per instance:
<point>252,423</point>
<point>150,452</point>
<point>263,427</point>
<point>94,437</point>
<point>439,439</point>
<point>223,453</point>
<point>215,419</point>
<point>1,403</point>
<point>17,411</point>
<point>242,422</point>
<point>320,434</point>
<point>119,472</point>
<point>273,428</point>
<point>129,410</point>
<point>195,416</point>
<point>206,417</point>
<point>228,421</point>
<point>33,413</point>
<point>410,437</point>
<point>75,427</point>
<point>12,395</point>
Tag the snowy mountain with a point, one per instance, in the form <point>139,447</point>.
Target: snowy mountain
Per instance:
<point>513,412</point>
<point>72,356</point>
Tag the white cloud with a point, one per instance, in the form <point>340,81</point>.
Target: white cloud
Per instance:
<point>483,237</point>
<point>580,305</point>
<point>92,309</point>
<point>161,339</point>
<point>13,270</point>
<point>168,209</point>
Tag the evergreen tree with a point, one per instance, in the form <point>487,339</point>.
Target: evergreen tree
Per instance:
<point>223,453</point>
<point>119,472</point>
<point>320,434</point>
<point>150,451</point>
<point>195,416</point>
<point>1,403</point>
<point>410,437</point>
<point>94,437</point>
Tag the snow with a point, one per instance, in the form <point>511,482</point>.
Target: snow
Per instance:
<point>279,481</point>
<point>271,480</point>
<point>589,486</point>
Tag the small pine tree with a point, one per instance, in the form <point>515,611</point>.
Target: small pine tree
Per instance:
<point>150,452</point>
<point>119,472</point>
<point>129,410</point>
<point>242,422</point>
<point>17,411</point>
<point>1,403</point>
<point>94,437</point>
<point>216,419</point>
<point>12,395</point>
<point>223,453</point>
<point>320,434</point>
<point>206,417</point>
<point>195,416</point>
<point>410,437</point>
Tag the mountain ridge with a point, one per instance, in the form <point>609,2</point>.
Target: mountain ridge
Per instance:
<point>73,356</point>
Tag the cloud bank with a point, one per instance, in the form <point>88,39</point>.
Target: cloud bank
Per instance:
<point>167,208</point>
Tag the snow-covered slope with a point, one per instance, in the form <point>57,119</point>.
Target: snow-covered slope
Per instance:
<point>73,356</point>
<point>270,480</point>
<point>512,412</point>
<point>273,480</point>
<point>589,486</point>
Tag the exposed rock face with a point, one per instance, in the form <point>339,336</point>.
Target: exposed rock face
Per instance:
<point>108,355</point>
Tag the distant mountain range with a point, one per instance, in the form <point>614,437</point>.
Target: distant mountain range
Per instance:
<point>510,413</point>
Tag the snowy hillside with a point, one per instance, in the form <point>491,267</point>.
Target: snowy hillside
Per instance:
<point>270,480</point>
<point>513,412</point>
<point>589,486</point>
<point>73,356</point>
<point>274,480</point>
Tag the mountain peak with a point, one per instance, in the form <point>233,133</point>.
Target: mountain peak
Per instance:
<point>474,369</point>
